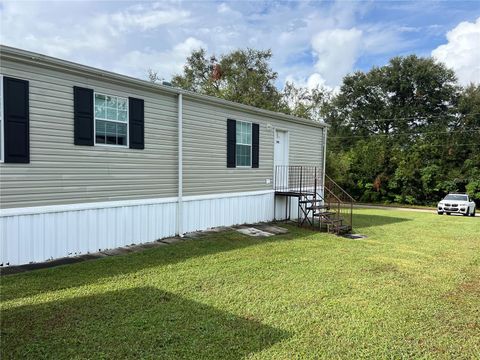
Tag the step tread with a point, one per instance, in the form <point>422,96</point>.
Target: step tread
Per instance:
<point>327,213</point>
<point>332,221</point>
<point>317,207</point>
<point>310,201</point>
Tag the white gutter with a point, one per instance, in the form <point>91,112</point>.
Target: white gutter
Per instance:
<point>2,136</point>
<point>180,167</point>
<point>325,129</point>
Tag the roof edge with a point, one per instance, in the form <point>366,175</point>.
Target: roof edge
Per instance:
<point>13,53</point>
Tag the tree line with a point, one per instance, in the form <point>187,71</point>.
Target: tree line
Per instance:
<point>405,132</point>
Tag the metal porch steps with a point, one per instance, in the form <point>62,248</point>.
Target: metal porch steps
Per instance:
<point>322,203</point>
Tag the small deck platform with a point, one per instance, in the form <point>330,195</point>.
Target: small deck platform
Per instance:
<point>294,193</point>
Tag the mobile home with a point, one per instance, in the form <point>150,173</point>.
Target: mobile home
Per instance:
<point>92,160</point>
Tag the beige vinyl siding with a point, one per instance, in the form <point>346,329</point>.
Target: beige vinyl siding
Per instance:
<point>62,173</point>
<point>204,149</point>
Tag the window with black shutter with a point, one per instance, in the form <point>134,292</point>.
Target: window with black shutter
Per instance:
<point>83,128</point>
<point>15,120</point>
<point>242,144</point>
<point>1,119</point>
<point>255,145</point>
<point>231,143</point>
<point>103,119</point>
<point>136,123</point>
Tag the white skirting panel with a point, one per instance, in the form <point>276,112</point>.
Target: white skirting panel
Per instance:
<point>42,233</point>
<point>203,212</point>
<point>282,210</point>
<point>36,237</point>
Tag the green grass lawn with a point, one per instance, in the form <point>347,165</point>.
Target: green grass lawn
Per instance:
<point>410,290</point>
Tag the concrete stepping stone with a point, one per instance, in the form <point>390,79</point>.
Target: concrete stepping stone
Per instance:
<point>251,231</point>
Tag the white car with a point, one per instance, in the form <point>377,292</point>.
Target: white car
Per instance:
<point>456,203</point>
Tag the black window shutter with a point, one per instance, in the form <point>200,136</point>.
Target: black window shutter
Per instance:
<point>16,120</point>
<point>231,143</point>
<point>83,116</point>
<point>136,120</point>
<point>255,144</point>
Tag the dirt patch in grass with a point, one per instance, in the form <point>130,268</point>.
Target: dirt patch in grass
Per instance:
<point>58,319</point>
<point>466,290</point>
<point>464,314</point>
<point>471,287</point>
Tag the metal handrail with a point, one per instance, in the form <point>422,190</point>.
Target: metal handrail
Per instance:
<point>340,201</point>
<point>332,193</point>
<point>343,191</point>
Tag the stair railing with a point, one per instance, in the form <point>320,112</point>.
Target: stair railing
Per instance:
<point>299,179</point>
<point>344,201</point>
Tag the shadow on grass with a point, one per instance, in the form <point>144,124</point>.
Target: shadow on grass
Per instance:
<point>361,221</point>
<point>78,274</point>
<point>135,323</point>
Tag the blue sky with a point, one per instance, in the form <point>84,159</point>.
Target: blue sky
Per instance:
<point>313,42</point>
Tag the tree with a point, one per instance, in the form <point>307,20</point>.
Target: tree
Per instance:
<point>242,76</point>
<point>396,121</point>
<point>306,103</point>
<point>245,76</point>
<point>406,95</point>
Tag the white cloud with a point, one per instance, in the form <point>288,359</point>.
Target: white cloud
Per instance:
<point>79,32</point>
<point>33,26</point>
<point>166,63</point>
<point>384,39</point>
<point>316,42</point>
<point>131,38</point>
<point>146,19</point>
<point>462,51</point>
<point>314,80</point>
<point>336,51</point>
<point>309,82</point>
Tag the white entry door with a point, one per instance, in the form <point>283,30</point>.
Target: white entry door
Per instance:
<point>281,158</point>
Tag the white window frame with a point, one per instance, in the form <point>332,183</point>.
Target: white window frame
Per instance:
<point>115,121</point>
<point>251,144</point>
<point>2,122</point>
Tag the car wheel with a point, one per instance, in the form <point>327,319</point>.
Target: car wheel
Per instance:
<point>473,213</point>
<point>467,213</point>
<point>440,212</point>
